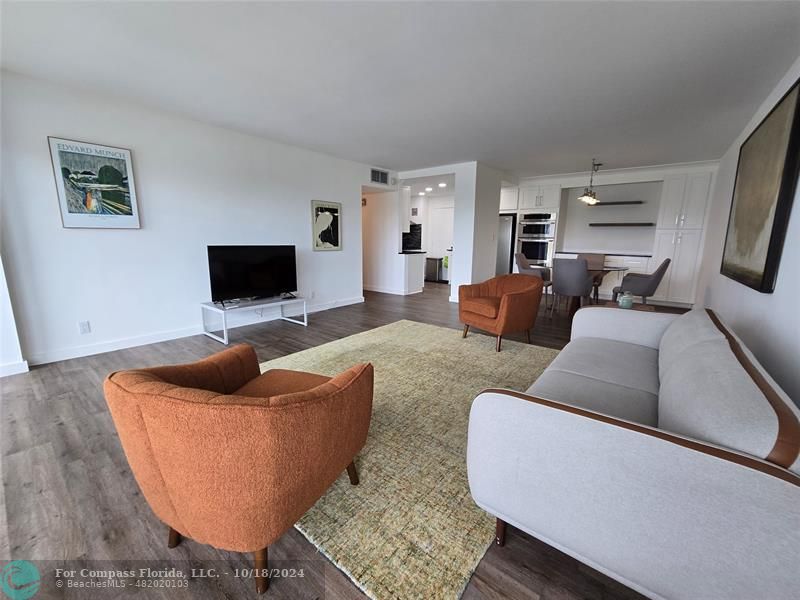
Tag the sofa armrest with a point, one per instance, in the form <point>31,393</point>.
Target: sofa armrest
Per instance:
<point>518,310</point>
<point>669,516</point>
<point>632,326</point>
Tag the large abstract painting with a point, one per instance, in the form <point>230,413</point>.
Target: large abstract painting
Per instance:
<point>766,180</point>
<point>94,184</point>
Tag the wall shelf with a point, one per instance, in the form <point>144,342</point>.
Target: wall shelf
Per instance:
<point>619,203</point>
<point>622,224</point>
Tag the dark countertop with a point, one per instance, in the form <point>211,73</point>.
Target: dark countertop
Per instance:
<point>607,253</point>
<point>412,252</point>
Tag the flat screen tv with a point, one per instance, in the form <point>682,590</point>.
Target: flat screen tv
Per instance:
<point>251,271</point>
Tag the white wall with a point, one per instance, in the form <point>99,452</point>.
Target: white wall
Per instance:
<point>768,323</point>
<point>487,206</point>
<point>197,185</point>
<point>383,266</point>
<point>11,360</point>
<point>575,235</point>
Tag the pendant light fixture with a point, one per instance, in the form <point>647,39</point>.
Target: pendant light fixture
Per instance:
<point>589,196</point>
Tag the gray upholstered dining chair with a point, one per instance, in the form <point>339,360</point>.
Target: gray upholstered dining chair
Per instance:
<point>571,278</point>
<point>525,267</point>
<point>595,262</point>
<point>642,284</point>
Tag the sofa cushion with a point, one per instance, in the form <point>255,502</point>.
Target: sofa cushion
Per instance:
<point>600,396</point>
<point>487,306</point>
<point>276,382</point>
<point>706,394</point>
<point>693,327</point>
<point>616,378</point>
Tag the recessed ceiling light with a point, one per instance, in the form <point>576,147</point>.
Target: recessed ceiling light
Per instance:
<point>422,193</point>
<point>429,189</point>
<point>443,184</point>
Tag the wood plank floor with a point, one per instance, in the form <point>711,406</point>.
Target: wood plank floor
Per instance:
<point>68,494</point>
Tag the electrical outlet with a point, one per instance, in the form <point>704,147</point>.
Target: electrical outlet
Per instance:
<point>84,327</point>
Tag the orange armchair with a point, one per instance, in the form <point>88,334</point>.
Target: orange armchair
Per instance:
<point>232,458</point>
<point>501,305</point>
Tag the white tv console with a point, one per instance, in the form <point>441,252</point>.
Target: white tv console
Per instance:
<point>216,307</point>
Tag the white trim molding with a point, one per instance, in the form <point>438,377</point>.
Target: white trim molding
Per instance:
<point>14,368</point>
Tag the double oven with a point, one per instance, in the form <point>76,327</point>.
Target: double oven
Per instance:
<point>536,235</point>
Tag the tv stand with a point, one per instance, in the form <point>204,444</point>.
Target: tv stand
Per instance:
<point>257,305</point>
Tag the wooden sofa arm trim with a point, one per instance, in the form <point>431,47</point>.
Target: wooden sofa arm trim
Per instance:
<point>734,457</point>
<point>787,442</point>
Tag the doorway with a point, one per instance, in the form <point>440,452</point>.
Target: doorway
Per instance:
<point>433,211</point>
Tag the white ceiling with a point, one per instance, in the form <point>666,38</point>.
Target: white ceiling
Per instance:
<point>532,88</point>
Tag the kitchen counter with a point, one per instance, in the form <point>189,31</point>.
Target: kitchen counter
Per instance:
<point>414,272</point>
<point>638,254</point>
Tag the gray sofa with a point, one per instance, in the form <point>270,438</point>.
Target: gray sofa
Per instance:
<point>655,449</point>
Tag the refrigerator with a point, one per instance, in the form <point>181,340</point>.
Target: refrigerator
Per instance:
<point>506,238</point>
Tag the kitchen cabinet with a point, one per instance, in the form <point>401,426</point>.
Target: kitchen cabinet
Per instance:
<point>683,201</point>
<point>540,196</point>
<point>683,248</point>
<point>508,199</point>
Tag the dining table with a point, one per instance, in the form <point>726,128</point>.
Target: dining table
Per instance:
<point>599,275</point>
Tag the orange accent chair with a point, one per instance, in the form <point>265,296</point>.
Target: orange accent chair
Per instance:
<point>231,457</point>
<point>501,305</point>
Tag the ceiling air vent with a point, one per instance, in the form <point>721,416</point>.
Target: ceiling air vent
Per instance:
<point>378,176</point>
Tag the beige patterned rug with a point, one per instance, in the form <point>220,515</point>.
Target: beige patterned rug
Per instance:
<point>410,529</point>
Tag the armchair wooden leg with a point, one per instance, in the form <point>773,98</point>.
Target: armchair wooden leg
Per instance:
<point>499,341</point>
<point>528,335</point>
<point>466,331</point>
<point>500,533</point>
<point>175,538</point>
<point>261,570</point>
<point>352,473</point>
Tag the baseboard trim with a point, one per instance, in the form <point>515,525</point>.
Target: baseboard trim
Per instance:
<point>50,356</point>
<point>162,336</point>
<point>13,368</point>
<point>383,290</point>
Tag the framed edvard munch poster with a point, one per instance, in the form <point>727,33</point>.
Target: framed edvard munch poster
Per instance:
<point>94,184</point>
<point>766,181</point>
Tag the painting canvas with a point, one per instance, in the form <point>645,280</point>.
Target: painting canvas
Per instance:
<point>766,180</point>
<point>326,221</point>
<point>94,184</point>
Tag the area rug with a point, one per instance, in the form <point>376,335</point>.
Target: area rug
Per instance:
<point>410,529</point>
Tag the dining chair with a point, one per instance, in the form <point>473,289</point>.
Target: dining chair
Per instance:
<point>571,278</point>
<point>525,267</point>
<point>642,284</point>
<point>595,263</point>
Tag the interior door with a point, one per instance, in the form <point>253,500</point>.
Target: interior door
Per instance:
<point>440,226</point>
